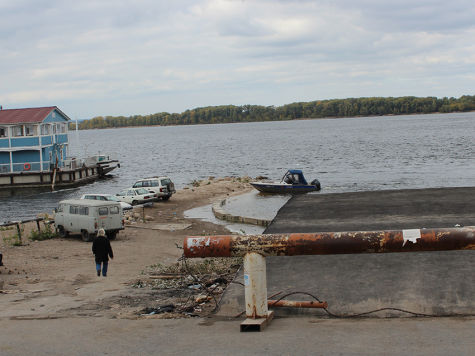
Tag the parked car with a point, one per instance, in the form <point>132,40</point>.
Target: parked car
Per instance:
<point>162,186</point>
<point>86,217</point>
<point>107,197</point>
<point>136,196</point>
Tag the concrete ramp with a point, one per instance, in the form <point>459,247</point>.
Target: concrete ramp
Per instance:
<point>436,283</point>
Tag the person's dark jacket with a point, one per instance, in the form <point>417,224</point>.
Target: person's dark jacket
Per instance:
<point>102,249</point>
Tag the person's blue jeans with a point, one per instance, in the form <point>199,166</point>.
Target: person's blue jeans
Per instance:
<point>104,268</point>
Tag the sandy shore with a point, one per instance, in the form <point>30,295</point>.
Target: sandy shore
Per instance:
<point>56,278</point>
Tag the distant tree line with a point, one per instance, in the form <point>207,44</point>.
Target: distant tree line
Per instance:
<point>314,109</point>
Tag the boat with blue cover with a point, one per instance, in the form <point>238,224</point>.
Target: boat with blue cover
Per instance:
<point>293,182</point>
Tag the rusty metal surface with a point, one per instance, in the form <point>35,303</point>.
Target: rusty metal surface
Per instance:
<point>296,304</point>
<point>208,246</point>
<point>326,243</point>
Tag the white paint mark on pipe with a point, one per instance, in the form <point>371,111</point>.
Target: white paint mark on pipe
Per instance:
<point>197,241</point>
<point>411,235</point>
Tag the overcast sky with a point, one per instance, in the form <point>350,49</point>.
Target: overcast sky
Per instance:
<point>116,57</point>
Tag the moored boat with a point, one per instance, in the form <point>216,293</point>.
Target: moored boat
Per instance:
<point>34,151</point>
<point>293,182</point>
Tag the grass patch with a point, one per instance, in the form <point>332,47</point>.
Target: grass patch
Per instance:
<point>13,240</point>
<point>46,234</point>
<point>195,183</point>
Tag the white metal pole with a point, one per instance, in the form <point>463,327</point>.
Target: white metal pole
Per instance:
<point>255,285</point>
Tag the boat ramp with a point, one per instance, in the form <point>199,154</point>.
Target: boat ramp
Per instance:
<point>438,283</point>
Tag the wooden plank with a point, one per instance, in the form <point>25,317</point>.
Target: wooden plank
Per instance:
<point>258,324</point>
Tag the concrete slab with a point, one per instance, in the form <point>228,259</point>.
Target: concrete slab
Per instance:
<point>438,283</point>
<point>284,336</point>
<point>377,210</point>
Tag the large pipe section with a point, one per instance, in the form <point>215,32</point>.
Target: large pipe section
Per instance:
<point>326,243</point>
<point>254,248</point>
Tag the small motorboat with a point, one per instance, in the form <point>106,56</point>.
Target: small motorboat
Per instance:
<point>293,182</point>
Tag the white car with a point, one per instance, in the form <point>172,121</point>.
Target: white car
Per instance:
<point>107,197</point>
<point>136,196</point>
<point>162,186</point>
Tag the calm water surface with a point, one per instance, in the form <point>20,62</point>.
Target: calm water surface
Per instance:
<point>350,154</point>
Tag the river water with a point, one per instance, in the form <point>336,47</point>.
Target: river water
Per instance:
<point>349,154</point>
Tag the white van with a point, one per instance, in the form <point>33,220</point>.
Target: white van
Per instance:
<point>86,217</point>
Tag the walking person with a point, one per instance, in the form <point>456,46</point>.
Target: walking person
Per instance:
<point>102,249</point>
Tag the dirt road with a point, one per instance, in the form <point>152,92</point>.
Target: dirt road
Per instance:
<point>57,279</point>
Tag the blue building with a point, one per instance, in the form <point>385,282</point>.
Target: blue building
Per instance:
<point>33,139</point>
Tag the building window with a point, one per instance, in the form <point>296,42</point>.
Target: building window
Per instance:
<point>60,128</point>
<point>3,131</point>
<point>18,131</point>
<point>45,129</point>
<point>30,130</point>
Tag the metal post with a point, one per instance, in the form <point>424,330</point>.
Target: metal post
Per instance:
<point>53,180</point>
<point>19,232</point>
<point>255,291</point>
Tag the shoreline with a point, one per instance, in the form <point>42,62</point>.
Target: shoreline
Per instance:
<point>56,277</point>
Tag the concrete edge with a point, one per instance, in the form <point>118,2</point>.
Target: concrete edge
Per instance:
<point>221,214</point>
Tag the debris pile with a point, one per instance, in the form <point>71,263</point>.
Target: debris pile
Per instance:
<point>187,288</point>
<point>134,217</point>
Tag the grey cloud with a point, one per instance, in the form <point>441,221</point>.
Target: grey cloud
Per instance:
<point>261,51</point>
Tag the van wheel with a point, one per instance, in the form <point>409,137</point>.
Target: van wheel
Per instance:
<point>166,197</point>
<point>112,235</point>
<point>86,236</point>
<point>62,232</point>
<point>134,202</point>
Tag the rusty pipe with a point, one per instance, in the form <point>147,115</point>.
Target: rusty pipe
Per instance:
<point>296,304</point>
<point>326,243</point>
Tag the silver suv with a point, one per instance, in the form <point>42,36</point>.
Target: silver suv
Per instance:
<point>162,186</point>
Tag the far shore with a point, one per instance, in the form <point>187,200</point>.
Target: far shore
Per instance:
<point>299,119</point>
